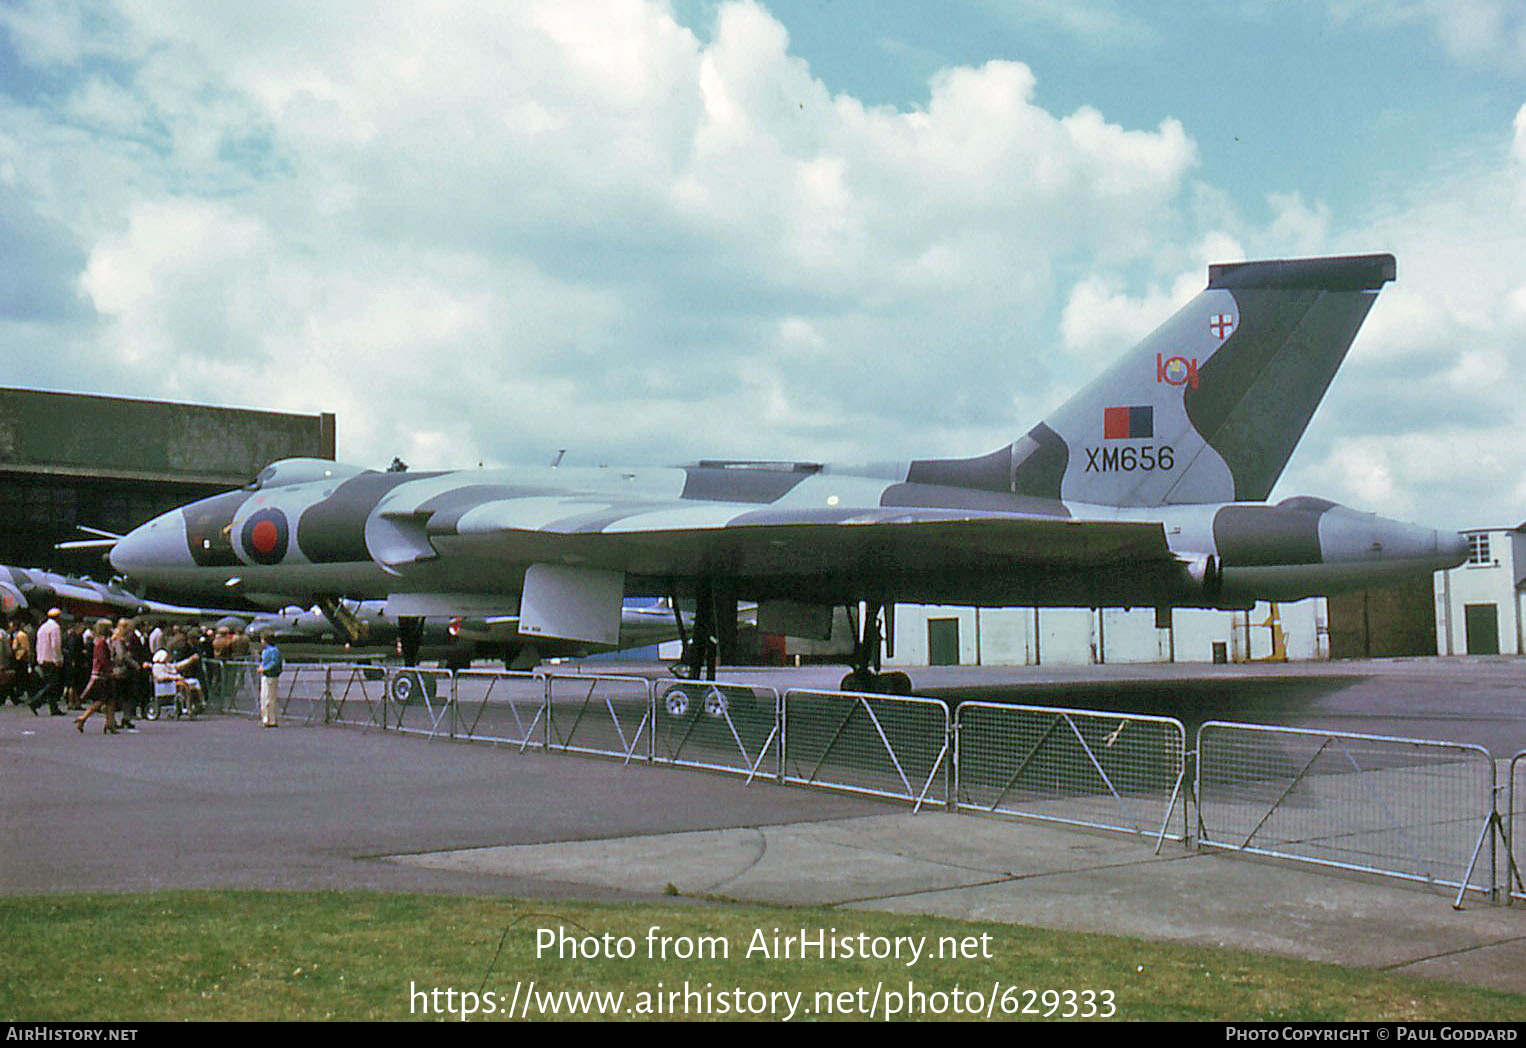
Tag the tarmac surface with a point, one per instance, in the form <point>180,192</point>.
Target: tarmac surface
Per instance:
<point>221,803</point>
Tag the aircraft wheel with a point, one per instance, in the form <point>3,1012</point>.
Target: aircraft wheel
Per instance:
<point>677,701</point>
<point>410,685</point>
<point>896,683</point>
<point>857,681</point>
<point>717,704</point>
<point>152,710</point>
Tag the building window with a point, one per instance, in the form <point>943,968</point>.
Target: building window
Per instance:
<point>1478,548</point>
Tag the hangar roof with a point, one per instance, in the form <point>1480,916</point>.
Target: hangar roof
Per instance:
<point>87,435</point>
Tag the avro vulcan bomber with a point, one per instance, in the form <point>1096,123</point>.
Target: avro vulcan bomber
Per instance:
<point>1146,489</point>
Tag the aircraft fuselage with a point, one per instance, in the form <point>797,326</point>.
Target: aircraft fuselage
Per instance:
<point>372,535</point>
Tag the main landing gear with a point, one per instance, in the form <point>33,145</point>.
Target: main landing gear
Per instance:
<point>713,641</point>
<point>346,622</point>
<point>865,676</point>
<point>410,638</point>
<point>684,699</point>
<point>715,633</point>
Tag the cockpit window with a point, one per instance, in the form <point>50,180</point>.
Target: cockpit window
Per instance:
<point>260,479</point>
<point>299,471</point>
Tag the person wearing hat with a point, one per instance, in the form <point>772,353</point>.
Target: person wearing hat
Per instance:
<point>50,663</point>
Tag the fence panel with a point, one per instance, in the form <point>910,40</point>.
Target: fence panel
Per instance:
<point>358,695</point>
<point>303,691</point>
<point>1405,808</point>
<point>501,707</point>
<point>419,701</point>
<point>1515,821</point>
<point>611,716</point>
<point>233,686</point>
<point>1108,770</point>
<point>717,725</point>
<point>883,745</point>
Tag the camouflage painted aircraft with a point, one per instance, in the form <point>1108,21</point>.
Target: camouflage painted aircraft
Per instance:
<point>34,591</point>
<point>1146,489</point>
<point>456,641</point>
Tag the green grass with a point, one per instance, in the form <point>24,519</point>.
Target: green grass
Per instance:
<point>246,956</point>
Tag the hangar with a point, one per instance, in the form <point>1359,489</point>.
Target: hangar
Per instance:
<point>113,462</point>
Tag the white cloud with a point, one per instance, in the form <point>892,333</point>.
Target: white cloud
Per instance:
<point>1491,30</point>
<point>1428,408</point>
<point>1093,24</point>
<point>463,213</point>
<point>1101,320</point>
<point>487,232</point>
<point>1518,161</point>
<point>1472,31</point>
<point>1297,228</point>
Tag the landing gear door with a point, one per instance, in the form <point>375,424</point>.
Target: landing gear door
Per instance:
<point>570,603</point>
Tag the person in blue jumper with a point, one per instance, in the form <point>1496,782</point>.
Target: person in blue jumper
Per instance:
<point>270,673</point>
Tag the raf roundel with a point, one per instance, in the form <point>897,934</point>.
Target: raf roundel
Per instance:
<point>265,536</point>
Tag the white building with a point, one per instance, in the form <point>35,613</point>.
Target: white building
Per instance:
<point>932,635</point>
<point>1478,604</point>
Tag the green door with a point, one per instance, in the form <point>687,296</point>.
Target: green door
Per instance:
<point>943,642</point>
<point>1483,626</point>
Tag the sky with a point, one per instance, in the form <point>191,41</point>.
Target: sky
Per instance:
<point>649,232</point>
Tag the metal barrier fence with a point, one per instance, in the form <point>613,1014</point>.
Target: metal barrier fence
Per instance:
<point>313,693</point>
<point>420,702</point>
<point>223,683</point>
<point>610,716</point>
<point>1417,810</point>
<point>357,695</point>
<point>876,744</point>
<point>1421,811</point>
<point>1515,819</point>
<point>1104,770</point>
<point>302,692</point>
<point>507,708</point>
<point>717,725</point>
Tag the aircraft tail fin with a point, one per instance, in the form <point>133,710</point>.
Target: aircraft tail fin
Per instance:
<point>1209,407</point>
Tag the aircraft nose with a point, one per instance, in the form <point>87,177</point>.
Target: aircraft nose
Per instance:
<point>152,547</point>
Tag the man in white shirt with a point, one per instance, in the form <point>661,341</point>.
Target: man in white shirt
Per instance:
<point>50,662</point>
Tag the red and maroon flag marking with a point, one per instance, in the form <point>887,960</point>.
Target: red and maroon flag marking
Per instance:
<point>1130,423</point>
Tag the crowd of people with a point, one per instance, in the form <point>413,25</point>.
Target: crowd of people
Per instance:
<point>116,669</point>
